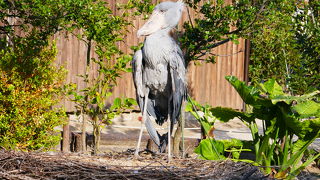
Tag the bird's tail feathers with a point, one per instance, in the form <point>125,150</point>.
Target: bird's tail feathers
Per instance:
<point>152,131</point>
<point>163,143</point>
<point>160,140</point>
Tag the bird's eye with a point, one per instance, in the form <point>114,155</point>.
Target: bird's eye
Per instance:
<point>162,11</point>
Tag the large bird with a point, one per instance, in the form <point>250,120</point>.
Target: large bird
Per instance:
<point>159,73</point>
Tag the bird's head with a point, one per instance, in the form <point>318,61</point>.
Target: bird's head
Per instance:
<point>165,15</point>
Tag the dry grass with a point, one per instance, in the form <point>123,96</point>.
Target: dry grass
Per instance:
<point>19,165</point>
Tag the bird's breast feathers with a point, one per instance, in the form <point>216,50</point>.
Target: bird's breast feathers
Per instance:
<point>156,78</point>
<point>160,52</point>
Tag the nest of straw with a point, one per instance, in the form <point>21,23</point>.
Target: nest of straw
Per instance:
<point>24,166</point>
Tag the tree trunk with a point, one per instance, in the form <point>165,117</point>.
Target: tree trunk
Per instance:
<point>96,134</point>
<point>83,132</point>
<point>83,112</point>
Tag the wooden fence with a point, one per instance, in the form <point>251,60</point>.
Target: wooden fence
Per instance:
<point>206,82</point>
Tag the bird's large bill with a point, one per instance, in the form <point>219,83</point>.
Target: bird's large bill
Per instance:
<point>154,24</point>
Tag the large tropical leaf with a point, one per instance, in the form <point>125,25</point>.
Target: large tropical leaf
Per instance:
<point>226,114</point>
<point>272,88</point>
<point>210,149</point>
<point>305,129</point>
<point>289,99</point>
<point>307,109</point>
<point>310,128</point>
<point>249,94</point>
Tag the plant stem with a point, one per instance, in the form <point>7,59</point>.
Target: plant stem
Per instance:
<point>96,134</point>
<point>83,134</point>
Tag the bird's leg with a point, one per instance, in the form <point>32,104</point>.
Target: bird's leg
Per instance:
<point>144,115</point>
<point>136,154</point>
<point>169,139</point>
<point>169,128</point>
<point>169,116</point>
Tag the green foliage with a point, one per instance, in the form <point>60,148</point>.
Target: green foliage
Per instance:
<point>28,25</point>
<point>284,36</point>
<point>30,82</point>
<point>212,26</point>
<point>29,88</point>
<point>119,106</point>
<point>284,116</point>
<point>210,148</point>
<point>144,7</point>
<point>202,114</point>
<point>285,46</point>
<point>102,31</point>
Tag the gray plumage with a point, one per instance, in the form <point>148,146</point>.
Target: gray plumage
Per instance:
<point>159,70</point>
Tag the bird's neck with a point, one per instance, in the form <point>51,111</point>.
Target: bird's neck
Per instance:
<point>161,33</point>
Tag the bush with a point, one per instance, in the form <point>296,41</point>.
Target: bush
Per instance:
<point>291,124</point>
<point>285,46</point>
<point>29,88</point>
<point>30,83</point>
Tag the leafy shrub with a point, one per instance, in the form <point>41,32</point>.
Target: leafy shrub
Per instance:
<point>29,88</point>
<point>285,46</point>
<point>210,148</point>
<point>27,26</point>
<point>102,30</point>
<point>285,117</point>
<point>291,124</point>
<point>284,36</point>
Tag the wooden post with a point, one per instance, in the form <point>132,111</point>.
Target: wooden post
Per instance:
<point>78,142</point>
<point>66,137</point>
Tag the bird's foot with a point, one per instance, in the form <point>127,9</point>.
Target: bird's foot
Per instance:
<point>136,155</point>
<point>169,159</point>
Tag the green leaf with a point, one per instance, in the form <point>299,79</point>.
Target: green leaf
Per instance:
<point>272,88</point>
<point>210,149</point>
<point>188,107</point>
<point>249,94</point>
<point>11,87</point>
<point>299,148</point>
<point>289,99</point>
<point>304,129</point>
<point>296,170</point>
<point>116,103</point>
<point>307,109</point>
<point>226,114</point>
<point>94,100</point>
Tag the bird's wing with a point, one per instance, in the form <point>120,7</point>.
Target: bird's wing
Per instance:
<point>137,72</point>
<point>178,76</point>
<point>137,69</point>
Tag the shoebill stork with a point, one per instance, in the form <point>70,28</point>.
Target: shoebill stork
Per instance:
<point>159,74</point>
